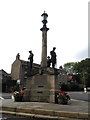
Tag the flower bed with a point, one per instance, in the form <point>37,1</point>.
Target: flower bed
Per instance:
<point>61,97</point>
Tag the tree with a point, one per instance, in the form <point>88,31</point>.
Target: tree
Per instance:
<point>70,67</point>
<point>81,69</point>
<point>84,70</point>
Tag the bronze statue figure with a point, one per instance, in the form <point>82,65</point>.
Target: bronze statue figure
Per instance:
<point>31,59</point>
<point>53,57</point>
<point>18,56</point>
<point>48,61</point>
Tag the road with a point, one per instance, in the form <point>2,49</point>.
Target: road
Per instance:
<point>6,95</point>
<point>80,95</point>
<point>13,117</point>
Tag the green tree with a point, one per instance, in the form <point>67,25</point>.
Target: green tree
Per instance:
<point>82,69</point>
<point>70,67</point>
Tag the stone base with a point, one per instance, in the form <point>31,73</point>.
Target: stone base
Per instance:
<point>41,88</point>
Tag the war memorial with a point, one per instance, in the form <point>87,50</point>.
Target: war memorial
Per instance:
<point>42,86</point>
<point>41,81</point>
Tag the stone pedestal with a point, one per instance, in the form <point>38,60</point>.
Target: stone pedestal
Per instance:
<point>41,88</point>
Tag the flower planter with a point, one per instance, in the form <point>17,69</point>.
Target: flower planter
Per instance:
<point>18,99</point>
<point>18,96</point>
<point>61,97</point>
<point>61,101</point>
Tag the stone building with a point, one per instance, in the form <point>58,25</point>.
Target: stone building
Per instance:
<point>20,70</point>
<point>5,81</point>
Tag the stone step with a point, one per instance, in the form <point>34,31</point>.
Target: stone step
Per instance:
<point>38,116</point>
<point>49,114</point>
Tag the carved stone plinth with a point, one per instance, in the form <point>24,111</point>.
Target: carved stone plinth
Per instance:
<point>41,88</point>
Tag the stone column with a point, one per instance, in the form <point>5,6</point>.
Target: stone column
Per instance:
<point>44,30</point>
<point>44,48</point>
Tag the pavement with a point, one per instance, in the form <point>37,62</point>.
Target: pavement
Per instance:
<point>76,109</point>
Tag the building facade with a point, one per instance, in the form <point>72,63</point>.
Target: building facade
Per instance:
<point>5,81</point>
<point>20,70</point>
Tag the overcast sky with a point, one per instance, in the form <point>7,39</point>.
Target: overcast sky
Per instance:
<point>20,23</point>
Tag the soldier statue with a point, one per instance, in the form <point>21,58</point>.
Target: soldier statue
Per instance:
<point>53,57</point>
<point>31,59</point>
<point>48,61</point>
<point>18,56</point>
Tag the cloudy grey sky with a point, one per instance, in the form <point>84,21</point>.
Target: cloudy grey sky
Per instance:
<point>20,23</point>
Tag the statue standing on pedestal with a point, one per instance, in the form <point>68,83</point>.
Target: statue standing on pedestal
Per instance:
<point>48,61</point>
<point>31,59</point>
<point>18,56</point>
<point>53,57</point>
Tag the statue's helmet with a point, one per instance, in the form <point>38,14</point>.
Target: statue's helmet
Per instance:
<point>30,51</point>
<point>54,48</point>
<point>48,57</point>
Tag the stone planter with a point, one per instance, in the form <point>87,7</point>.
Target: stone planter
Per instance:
<point>62,101</point>
<point>18,99</point>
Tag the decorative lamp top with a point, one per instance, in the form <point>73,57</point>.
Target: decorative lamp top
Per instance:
<point>44,21</point>
<point>44,15</point>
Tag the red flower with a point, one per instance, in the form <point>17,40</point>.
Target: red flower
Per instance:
<point>22,91</point>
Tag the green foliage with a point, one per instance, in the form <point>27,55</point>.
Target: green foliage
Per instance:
<point>71,87</point>
<point>83,70</point>
<point>69,64</point>
<point>71,67</point>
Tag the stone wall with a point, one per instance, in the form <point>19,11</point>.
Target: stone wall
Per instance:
<point>15,70</point>
<point>41,88</point>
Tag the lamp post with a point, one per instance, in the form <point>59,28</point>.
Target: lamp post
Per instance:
<point>85,90</point>
<point>44,30</point>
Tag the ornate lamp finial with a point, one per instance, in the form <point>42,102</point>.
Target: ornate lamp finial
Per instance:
<point>44,15</point>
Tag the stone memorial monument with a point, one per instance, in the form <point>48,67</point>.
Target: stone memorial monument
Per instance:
<point>42,86</point>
